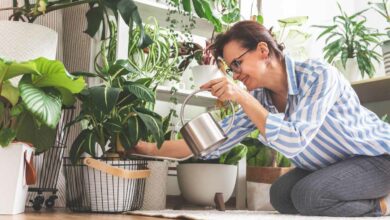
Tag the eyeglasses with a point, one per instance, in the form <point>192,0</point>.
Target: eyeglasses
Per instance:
<point>235,65</point>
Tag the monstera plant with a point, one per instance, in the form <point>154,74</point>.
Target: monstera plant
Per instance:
<point>32,94</point>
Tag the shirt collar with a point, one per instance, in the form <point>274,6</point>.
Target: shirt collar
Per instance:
<point>291,76</point>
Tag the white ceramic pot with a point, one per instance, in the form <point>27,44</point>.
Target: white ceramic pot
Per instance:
<point>198,182</point>
<point>351,70</point>
<point>204,73</point>
<point>13,186</point>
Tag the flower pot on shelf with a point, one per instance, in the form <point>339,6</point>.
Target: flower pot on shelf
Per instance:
<point>351,70</point>
<point>259,181</point>
<point>204,73</point>
<point>17,173</point>
<point>199,182</point>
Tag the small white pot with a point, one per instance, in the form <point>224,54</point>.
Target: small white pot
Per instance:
<point>13,186</point>
<point>351,70</point>
<point>204,73</point>
<point>199,182</point>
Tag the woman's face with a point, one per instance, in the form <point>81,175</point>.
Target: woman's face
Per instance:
<point>248,66</point>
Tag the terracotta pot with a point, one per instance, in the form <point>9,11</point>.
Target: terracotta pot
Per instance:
<point>265,174</point>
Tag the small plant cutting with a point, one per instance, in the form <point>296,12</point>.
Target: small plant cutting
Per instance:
<point>348,38</point>
<point>30,109</point>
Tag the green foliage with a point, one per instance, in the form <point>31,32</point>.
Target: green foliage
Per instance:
<point>160,59</point>
<point>348,37</point>
<point>261,155</point>
<point>117,113</point>
<point>35,102</point>
<point>234,155</point>
<point>383,8</point>
<point>291,33</point>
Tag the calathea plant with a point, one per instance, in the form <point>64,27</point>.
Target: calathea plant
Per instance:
<point>31,109</point>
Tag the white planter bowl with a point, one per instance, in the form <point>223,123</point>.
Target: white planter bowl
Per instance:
<point>199,182</point>
<point>204,73</point>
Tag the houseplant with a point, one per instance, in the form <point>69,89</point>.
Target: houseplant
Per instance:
<point>264,166</point>
<point>159,60</point>
<point>350,41</point>
<point>30,110</point>
<point>35,102</point>
<point>383,8</point>
<point>293,35</point>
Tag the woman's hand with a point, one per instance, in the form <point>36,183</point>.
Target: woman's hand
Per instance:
<point>224,89</point>
<point>145,148</point>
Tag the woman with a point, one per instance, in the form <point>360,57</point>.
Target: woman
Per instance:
<point>308,112</point>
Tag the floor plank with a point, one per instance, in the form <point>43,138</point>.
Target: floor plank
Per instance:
<point>58,214</point>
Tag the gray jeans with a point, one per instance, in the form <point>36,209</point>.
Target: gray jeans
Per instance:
<point>347,188</point>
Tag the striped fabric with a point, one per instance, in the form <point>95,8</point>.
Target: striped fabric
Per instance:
<point>323,122</point>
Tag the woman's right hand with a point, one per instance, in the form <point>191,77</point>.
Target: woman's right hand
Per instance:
<point>145,148</point>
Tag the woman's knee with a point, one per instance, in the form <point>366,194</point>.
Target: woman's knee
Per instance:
<point>309,198</point>
<point>280,198</point>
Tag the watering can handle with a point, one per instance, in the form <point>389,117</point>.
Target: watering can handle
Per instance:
<point>202,90</point>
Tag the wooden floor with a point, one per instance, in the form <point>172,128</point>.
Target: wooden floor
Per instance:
<point>59,214</point>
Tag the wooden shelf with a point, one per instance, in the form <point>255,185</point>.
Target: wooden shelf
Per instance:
<point>373,90</point>
<point>204,99</point>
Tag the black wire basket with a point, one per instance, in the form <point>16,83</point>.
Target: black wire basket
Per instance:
<point>105,185</point>
<point>48,166</point>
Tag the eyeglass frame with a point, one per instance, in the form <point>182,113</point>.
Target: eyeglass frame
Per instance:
<point>236,62</point>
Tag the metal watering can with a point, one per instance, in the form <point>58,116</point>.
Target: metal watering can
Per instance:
<point>203,134</point>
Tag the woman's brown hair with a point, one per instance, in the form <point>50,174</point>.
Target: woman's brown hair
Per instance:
<point>248,34</point>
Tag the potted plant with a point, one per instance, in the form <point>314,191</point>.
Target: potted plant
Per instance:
<point>291,33</point>
<point>200,180</point>
<point>30,112</point>
<point>159,60</point>
<point>350,42</point>
<point>264,166</point>
<point>383,8</point>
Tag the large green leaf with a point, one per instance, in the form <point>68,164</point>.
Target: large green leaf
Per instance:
<point>10,92</point>
<point>104,98</point>
<point>134,129</point>
<point>153,124</point>
<point>85,142</point>
<point>95,19</point>
<point>6,136</point>
<point>39,135</point>
<point>44,105</point>
<point>141,92</point>
<point>53,74</point>
<point>9,70</point>
<point>293,21</point>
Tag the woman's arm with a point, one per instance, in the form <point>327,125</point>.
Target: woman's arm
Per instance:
<point>175,148</point>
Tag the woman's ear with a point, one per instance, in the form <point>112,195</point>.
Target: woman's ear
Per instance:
<point>262,47</point>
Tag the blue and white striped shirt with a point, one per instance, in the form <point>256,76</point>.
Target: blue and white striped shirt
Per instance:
<point>323,122</point>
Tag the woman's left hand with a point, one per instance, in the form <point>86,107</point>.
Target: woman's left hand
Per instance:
<point>224,89</point>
